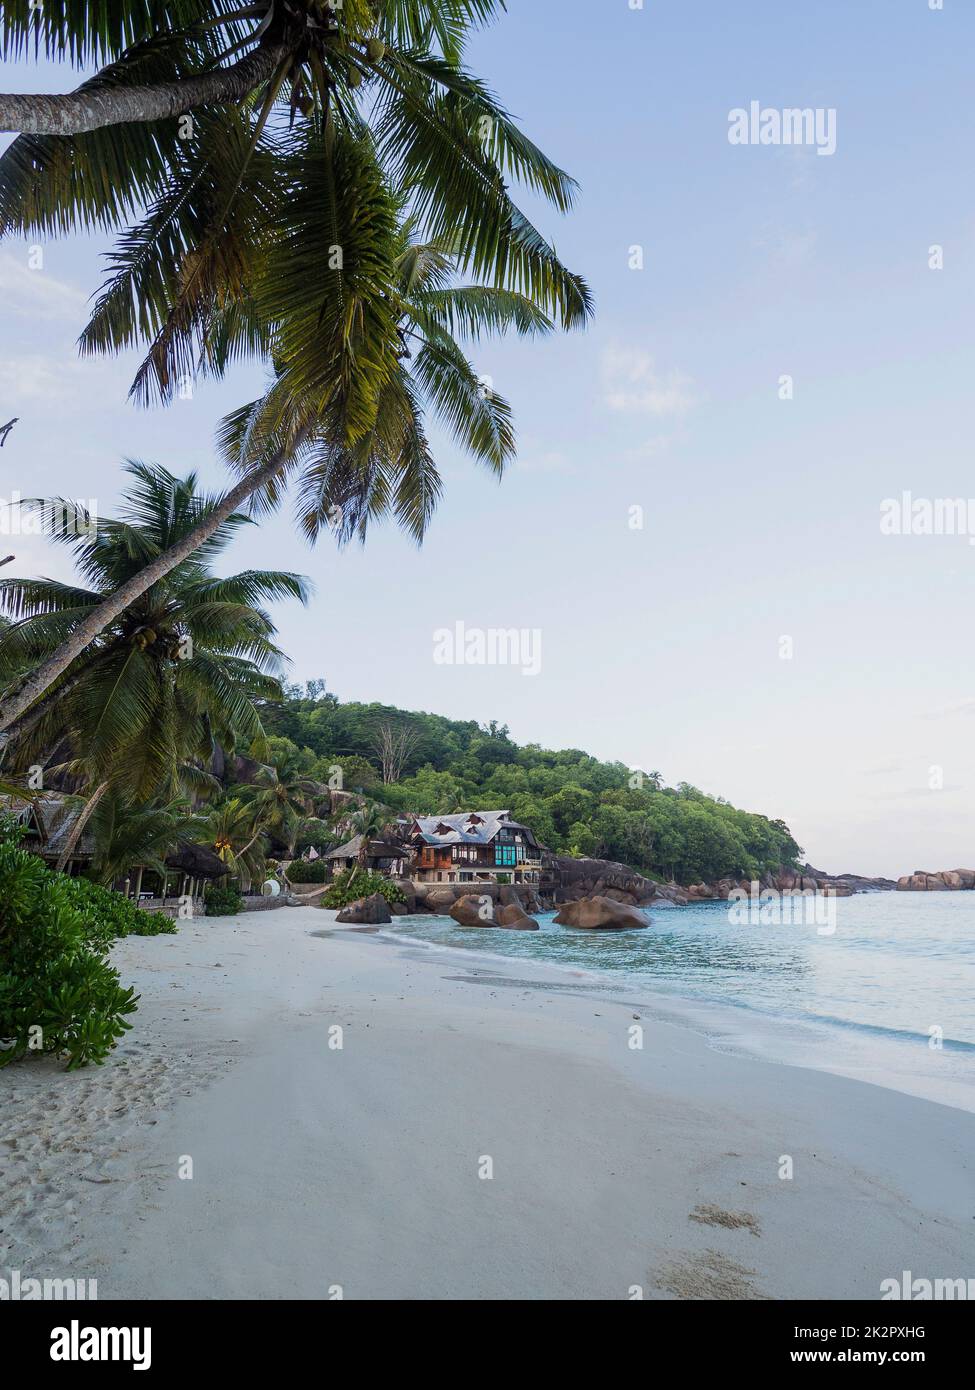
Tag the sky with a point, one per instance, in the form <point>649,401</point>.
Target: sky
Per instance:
<point>698,561</point>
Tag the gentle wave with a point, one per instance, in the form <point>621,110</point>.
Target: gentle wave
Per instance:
<point>891,993</point>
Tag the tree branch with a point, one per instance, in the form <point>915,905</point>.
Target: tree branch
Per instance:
<point>72,113</point>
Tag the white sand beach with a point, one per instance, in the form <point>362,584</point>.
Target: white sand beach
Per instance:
<point>358,1171</point>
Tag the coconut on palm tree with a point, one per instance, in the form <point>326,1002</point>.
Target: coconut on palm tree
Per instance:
<point>306,214</point>
<point>138,715</point>
<point>237,834</point>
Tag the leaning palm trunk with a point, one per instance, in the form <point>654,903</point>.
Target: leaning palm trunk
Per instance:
<point>92,108</point>
<point>23,696</point>
<point>81,820</point>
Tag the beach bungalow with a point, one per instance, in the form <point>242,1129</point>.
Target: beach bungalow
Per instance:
<point>384,857</point>
<point>474,847</point>
<point>48,819</point>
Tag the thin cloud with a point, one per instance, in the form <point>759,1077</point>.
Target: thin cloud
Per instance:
<point>549,461</point>
<point>966,707</point>
<point>34,377</point>
<point>633,385</point>
<point>36,293</point>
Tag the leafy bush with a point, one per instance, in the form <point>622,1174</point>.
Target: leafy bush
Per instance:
<point>308,871</point>
<point>359,883</point>
<point>113,915</point>
<point>57,991</point>
<point>222,902</point>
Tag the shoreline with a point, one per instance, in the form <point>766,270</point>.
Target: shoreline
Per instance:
<point>835,1046</point>
<point>316,1167</point>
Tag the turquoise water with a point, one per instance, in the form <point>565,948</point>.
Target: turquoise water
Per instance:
<point>863,999</point>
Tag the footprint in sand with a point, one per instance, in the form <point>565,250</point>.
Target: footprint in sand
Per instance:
<point>711,1215</point>
<point>708,1274</point>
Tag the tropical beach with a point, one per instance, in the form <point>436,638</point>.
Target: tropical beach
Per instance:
<point>485,765</point>
<point>616,1173</point>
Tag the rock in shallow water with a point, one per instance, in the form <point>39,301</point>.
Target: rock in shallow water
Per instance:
<point>600,914</point>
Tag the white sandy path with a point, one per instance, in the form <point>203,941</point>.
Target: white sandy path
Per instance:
<point>315,1168</point>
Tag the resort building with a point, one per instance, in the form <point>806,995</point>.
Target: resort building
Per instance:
<point>384,856</point>
<point>48,821</point>
<point>474,847</point>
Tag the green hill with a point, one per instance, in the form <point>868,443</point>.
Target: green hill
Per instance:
<point>425,763</point>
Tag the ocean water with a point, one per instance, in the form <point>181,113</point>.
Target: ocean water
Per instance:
<point>888,996</point>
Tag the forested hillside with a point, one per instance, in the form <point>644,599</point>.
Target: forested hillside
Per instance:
<point>576,804</point>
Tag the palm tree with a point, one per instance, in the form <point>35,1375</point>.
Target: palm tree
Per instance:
<point>369,823</point>
<point>385,101</point>
<point>181,669</point>
<point>280,799</point>
<point>166,57</point>
<point>130,836</point>
<point>237,834</point>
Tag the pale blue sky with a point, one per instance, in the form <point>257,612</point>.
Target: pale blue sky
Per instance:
<point>660,647</point>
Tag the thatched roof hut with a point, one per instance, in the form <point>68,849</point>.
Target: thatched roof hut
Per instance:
<point>199,861</point>
<point>49,818</point>
<point>386,855</point>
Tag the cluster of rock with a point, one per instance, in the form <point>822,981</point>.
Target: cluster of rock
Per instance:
<point>439,898</point>
<point>920,881</point>
<point>481,910</point>
<point>578,878</point>
<point>503,904</point>
<point>373,911</point>
<point>803,880</point>
<point>588,914</point>
<point>604,878</point>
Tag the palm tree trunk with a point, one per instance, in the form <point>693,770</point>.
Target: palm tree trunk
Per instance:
<point>94,107</point>
<point>81,820</point>
<point>24,695</point>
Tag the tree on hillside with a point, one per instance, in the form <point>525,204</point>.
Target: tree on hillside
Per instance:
<point>393,747</point>
<point>370,823</point>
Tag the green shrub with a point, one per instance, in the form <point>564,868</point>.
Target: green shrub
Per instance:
<point>57,991</point>
<point>308,871</point>
<point>113,915</point>
<point>360,883</point>
<point>222,902</point>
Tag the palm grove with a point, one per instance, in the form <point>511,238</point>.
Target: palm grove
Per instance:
<point>326,189</point>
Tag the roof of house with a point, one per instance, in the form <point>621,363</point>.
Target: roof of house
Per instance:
<point>466,827</point>
<point>52,817</point>
<point>198,860</point>
<point>378,849</point>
